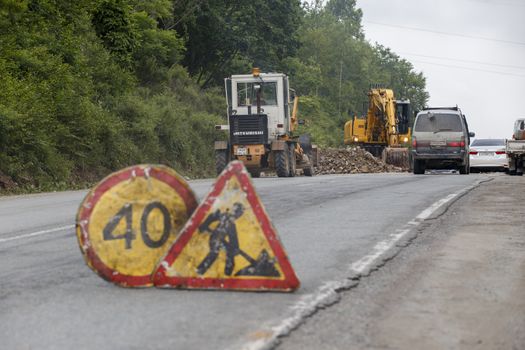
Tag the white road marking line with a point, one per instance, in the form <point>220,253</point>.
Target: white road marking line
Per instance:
<point>430,210</point>
<point>38,233</point>
<point>327,294</point>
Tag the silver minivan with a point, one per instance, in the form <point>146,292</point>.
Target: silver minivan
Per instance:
<point>440,140</point>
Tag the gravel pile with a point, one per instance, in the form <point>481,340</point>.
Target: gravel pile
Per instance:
<point>351,161</point>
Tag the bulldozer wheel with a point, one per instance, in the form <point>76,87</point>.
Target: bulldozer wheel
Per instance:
<point>221,160</point>
<point>292,160</point>
<point>306,143</point>
<point>308,170</point>
<point>282,164</point>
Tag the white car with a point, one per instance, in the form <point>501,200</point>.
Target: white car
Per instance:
<point>488,154</point>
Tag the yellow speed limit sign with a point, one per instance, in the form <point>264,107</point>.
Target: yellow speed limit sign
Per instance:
<point>128,222</point>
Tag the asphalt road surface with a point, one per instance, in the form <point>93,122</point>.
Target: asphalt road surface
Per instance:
<point>335,229</point>
<point>459,285</point>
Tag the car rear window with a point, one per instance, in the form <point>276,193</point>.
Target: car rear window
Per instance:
<point>488,142</point>
<point>436,122</point>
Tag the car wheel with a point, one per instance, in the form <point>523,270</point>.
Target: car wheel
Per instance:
<point>418,167</point>
<point>519,167</point>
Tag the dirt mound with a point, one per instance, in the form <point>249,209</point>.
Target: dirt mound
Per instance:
<point>6,183</point>
<point>351,161</point>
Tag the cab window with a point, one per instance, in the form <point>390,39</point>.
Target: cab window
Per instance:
<point>247,94</point>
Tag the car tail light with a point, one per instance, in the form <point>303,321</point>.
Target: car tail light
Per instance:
<point>456,143</point>
<point>473,152</point>
<point>500,152</point>
<point>414,142</point>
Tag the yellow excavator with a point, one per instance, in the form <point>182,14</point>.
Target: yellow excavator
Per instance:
<point>384,131</point>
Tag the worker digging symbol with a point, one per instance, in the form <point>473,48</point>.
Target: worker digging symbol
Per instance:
<point>228,243</point>
<point>224,236</point>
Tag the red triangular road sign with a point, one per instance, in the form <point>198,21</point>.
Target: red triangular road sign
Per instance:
<point>228,243</point>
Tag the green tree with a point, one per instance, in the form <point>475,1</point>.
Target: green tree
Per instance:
<point>225,37</point>
<point>112,23</point>
<point>335,67</point>
<point>92,86</point>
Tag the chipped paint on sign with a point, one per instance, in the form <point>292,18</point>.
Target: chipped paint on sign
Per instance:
<point>228,243</point>
<point>129,221</point>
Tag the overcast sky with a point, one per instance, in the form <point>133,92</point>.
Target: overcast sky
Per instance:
<point>491,95</point>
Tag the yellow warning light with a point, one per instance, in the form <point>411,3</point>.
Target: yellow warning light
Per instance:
<point>256,72</point>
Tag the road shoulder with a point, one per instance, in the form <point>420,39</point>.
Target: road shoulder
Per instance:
<point>458,285</point>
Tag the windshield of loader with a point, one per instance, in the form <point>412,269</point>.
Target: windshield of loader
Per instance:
<point>436,122</point>
<point>247,94</point>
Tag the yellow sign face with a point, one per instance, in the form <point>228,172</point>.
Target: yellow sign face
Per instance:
<point>228,242</point>
<point>129,221</point>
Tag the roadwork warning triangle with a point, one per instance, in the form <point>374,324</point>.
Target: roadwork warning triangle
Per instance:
<point>228,243</point>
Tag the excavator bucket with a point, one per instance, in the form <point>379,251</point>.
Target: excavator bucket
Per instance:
<point>397,156</point>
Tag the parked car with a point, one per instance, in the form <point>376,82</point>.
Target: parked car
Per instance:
<point>488,154</point>
<point>440,140</point>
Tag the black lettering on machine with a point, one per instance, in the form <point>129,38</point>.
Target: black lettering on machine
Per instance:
<point>248,133</point>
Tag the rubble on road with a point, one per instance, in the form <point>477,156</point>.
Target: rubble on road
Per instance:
<point>351,160</point>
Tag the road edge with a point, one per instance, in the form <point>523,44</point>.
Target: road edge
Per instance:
<point>328,293</point>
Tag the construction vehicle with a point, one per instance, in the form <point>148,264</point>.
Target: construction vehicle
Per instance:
<point>385,130</point>
<point>262,124</point>
<point>515,148</point>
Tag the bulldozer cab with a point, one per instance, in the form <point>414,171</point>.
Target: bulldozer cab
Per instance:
<point>254,94</point>
<point>264,94</point>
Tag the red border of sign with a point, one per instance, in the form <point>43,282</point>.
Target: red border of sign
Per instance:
<point>290,281</point>
<point>91,200</point>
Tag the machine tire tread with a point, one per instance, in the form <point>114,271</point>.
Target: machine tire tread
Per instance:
<point>221,160</point>
<point>282,167</point>
<point>291,160</point>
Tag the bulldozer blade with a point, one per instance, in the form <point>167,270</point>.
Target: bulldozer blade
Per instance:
<point>397,157</point>
<point>262,266</point>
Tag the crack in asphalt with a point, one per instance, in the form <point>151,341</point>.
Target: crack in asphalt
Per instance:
<point>329,294</point>
<point>456,198</point>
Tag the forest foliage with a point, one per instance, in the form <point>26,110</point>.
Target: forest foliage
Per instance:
<point>91,86</point>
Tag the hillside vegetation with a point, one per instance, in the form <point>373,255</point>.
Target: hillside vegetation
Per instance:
<point>91,86</point>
